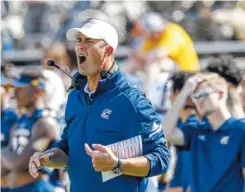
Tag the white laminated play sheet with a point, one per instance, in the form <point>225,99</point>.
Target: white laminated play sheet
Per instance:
<point>124,149</point>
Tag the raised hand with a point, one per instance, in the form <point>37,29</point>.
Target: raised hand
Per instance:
<point>192,83</point>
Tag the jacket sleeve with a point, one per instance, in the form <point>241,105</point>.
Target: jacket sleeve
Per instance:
<point>148,126</point>
<point>155,148</point>
<point>63,143</point>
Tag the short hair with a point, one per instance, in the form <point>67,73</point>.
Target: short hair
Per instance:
<point>226,67</point>
<point>179,78</point>
<point>215,80</point>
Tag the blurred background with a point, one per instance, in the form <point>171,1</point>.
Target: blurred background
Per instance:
<point>30,27</point>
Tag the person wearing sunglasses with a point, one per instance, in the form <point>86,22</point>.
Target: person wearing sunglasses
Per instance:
<point>216,143</point>
<point>227,68</point>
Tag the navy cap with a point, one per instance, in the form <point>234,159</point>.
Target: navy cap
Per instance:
<point>25,80</point>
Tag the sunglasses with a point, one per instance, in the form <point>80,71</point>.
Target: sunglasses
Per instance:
<point>203,94</point>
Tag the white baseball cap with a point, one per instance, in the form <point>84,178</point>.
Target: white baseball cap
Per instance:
<point>96,29</point>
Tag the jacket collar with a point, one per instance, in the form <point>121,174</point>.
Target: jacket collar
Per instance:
<point>225,126</point>
<point>105,84</point>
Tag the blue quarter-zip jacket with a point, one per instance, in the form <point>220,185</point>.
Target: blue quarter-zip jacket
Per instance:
<point>116,111</point>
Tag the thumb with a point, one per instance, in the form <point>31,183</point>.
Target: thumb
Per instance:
<point>88,150</point>
<point>100,148</point>
<point>44,159</point>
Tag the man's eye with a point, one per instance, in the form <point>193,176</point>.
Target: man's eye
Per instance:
<point>89,41</point>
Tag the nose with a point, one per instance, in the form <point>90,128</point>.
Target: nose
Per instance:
<point>81,45</point>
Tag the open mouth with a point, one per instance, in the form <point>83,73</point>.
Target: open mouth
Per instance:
<point>82,58</point>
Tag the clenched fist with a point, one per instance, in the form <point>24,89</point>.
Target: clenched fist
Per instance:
<point>103,159</point>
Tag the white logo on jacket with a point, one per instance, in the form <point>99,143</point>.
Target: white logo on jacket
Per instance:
<point>106,113</point>
<point>224,140</point>
<point>202,137</point>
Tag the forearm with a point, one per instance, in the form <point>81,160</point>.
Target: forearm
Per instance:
<point>10,160</point>
<point>58,160</point>
<point>138,166</point>
<point>170,119</point>
<point>4,170</point>
<point>151,164</point>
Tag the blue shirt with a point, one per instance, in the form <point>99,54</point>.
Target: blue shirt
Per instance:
<point>182,171</point>
<point>117,111</point>
<point>22,131</point>
<point>8,118</point>
<point>218,157</point>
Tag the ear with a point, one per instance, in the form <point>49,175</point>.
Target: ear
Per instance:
<point>177,92</point>
<point>109,51</point>
<point>221,94</point>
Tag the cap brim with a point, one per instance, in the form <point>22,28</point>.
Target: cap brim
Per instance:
<point>16,83</point>
<point>4,81</point>
<point>72,34</point>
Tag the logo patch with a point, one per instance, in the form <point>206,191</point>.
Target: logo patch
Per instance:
<point>224,140</point>
<point>202,137</point>
<point>106,113</point>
